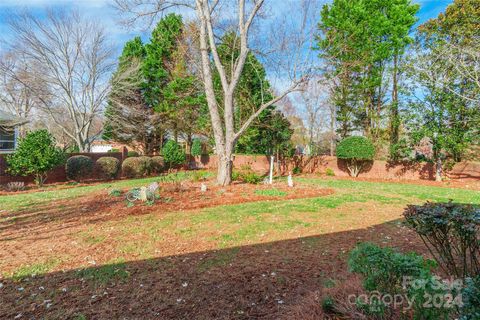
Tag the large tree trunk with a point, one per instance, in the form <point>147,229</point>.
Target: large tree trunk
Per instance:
<point>224,170</point>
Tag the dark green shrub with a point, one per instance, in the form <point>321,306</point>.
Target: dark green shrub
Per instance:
<point>197,148</point>
<point>108,166</point>
<point>158,164</point>
<point>137,167</point>
<point>132,154</point>
<point>36,154</point>
<point>79,168</point>
<point>296,170</point>
<point>356,151</point>
<point>471,300</point>
<point>451,231</point>
<point>385,272</point>
<point>173,154</point>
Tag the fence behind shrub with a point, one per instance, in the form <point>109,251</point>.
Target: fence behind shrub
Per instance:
<point>466,171</point>
<point>58,174</point>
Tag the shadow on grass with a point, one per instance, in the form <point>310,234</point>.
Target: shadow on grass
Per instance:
<point>253,281</point>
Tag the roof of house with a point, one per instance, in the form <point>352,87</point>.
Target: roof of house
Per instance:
<point>9,120</point>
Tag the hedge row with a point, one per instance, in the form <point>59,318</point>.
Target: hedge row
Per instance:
<point>81,167</point>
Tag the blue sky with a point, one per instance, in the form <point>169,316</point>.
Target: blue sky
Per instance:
<point>102,10</point>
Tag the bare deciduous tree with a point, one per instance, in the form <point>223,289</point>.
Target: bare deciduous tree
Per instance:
<point>131,121</point>
<point>211,14</point>
<point>70,60</point>
<point>15,96</point>
<point>319,111</point>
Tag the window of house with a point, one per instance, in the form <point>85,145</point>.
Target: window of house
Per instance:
<point>7,140</point>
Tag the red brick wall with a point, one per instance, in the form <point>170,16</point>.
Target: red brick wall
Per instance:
<point>259,163</point>
<point>377,169</point>
<point>58,174</point>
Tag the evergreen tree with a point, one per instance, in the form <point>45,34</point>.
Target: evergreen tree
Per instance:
<point>441,113</point>
<point>359,40</point>
<point>129,118</point>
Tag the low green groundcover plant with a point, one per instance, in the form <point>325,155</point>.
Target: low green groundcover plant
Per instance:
<point>387,272</point>
<point>79,168</point>
<point>35,155</point>
<point>356,151</point>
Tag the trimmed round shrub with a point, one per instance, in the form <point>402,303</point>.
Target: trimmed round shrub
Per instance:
<point>132,154</point>
<point>137,167</point>
<point>108,166</point>
<point>79,168</point>
<point>356,151</point>
<point>173,154</point>
<point>158,164</point>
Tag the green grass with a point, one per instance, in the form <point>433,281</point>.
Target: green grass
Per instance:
<point>271,193</point>
<point>15,202</point>
<point>236,225</point>
<point>400,192</point>
<point>253,220</point>
<point>108,273</point>
<point>35,269</point>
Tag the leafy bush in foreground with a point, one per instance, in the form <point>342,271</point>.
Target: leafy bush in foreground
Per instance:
<point>451,232</point>
<point>385,270</point>
<point>108,166</point>
<point>79,167</point>
<point>356,151</point>
<point>36,154</point>
<point>471,300</point>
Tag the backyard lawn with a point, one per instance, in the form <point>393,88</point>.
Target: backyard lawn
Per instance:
<point>245,251</point>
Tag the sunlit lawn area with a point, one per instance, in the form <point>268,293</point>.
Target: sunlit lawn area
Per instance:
<point>235,260</point>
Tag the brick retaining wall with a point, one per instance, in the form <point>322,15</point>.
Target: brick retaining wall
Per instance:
<point>319,164</point>
<point>377,169</point>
